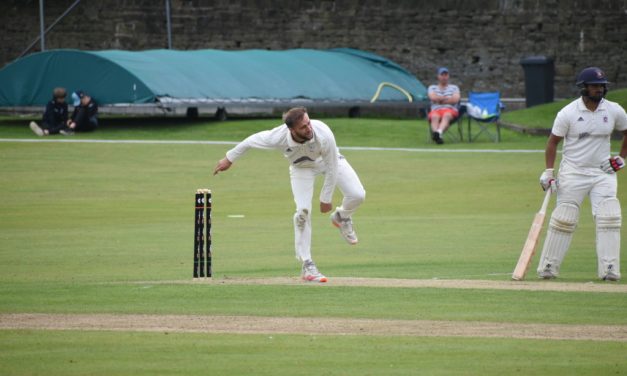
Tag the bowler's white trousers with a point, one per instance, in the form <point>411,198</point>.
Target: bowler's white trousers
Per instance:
<point>303,180</point>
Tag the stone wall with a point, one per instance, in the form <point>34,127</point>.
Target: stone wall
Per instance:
<point>481,42</point>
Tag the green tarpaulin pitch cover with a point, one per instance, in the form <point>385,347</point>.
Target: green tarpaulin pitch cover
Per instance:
<point>117,77</point>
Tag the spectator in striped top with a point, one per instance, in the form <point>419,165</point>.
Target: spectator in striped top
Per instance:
<point>444,99</point>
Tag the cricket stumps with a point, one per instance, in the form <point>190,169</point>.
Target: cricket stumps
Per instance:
<point>202,234</point>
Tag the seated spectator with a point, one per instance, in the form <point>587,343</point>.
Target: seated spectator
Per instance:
<point>444,99</point>
<point>54,120</point>
<point>85,115</point>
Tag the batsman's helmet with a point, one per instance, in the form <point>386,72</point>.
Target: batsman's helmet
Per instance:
<point>591,75</point>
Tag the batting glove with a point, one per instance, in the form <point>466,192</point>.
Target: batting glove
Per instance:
<point>613,164</point>
<point>547,180</point>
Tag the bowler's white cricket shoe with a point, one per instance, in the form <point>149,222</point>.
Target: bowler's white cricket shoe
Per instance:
<point>611,275</point>
<point>36,129</point>
<point>346,227</point>
<point>311,273</point>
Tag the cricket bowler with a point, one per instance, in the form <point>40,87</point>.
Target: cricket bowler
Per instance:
<point>310,147</point>
<point>587,169</point>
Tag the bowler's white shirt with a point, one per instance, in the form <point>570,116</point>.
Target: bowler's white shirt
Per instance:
<point>321,149</point>
<point>587,133</point>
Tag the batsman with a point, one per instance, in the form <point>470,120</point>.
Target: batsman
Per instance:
<point>587,168</point>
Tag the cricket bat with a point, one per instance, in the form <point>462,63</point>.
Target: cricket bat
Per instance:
<point>532,240</point>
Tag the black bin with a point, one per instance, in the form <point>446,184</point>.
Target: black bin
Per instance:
<point>539,78</point>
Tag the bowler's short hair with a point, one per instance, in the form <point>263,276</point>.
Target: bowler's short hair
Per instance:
<point>293,116</point>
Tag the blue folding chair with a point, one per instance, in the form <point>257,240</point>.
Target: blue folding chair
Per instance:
<point>483,109</point>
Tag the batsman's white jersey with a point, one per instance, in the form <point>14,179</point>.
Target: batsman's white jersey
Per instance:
<point>318,156</point>
<point>320,150</point>
<point>587,134</point>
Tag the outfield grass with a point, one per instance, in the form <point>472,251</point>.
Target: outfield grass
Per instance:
<point>101,353</point>
<point>349,132</point>
<point>82,223</point>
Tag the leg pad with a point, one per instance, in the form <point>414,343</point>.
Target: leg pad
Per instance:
<point>608,224</point>
<point>561,227</point>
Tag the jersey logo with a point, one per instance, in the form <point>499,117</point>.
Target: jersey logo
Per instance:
<point>605,119</point>
<point>303,159</point>
<point>288,150</point>
<point>584,135</point>
<point>580,119</point>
